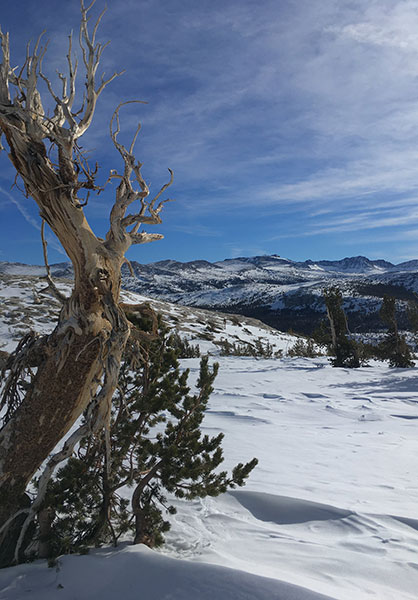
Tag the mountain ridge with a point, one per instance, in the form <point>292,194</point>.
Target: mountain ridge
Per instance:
<point>282,293</point>
<point>356,262</point>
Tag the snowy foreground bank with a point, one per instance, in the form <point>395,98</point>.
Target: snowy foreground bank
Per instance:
<point>330,512</point>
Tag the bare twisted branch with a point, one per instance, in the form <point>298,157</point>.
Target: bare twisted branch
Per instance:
<point>126,194</point>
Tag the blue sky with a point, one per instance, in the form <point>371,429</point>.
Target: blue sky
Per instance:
<point>291,125</point>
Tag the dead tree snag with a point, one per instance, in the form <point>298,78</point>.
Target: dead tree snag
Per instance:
<point>76,367</point>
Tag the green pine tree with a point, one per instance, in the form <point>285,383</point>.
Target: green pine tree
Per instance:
<point>321,335</point>
<point>412,313</point>
<point>394,347</point>
<point>304,347</point>
<point>157,447</point>
<point>344,350</point>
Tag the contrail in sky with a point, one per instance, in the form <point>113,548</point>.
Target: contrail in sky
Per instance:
<point>29,219</point>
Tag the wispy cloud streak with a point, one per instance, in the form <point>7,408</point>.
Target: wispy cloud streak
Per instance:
<point>30,219</point>
<point>297,118</point>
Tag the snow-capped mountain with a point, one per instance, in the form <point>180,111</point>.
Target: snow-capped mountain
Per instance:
<point>283,293</point>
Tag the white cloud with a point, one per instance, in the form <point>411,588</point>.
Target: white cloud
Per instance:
<point>308,107</point>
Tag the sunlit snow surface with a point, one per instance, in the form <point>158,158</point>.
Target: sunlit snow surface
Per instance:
<point>331,510</point>
<point>333,503</point>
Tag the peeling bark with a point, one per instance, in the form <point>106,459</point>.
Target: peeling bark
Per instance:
<point>81,357</point>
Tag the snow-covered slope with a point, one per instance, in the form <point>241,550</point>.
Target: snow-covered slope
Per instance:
<point>332,505</point>
<point>130,573</point>
<point>282,293</point>
<point>330,511</point>
<point>24,306</point>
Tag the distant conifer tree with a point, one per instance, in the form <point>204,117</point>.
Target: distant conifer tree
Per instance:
<point>304,347</point>
<point>257,349</point>
<point>412,313</point>
<point>394,347</point>
<point>343,349</point>
<point>321,335</point>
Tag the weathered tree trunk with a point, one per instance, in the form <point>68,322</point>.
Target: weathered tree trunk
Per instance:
<point>81,358</point>
<point>91,332</point>
<point>91,327</point>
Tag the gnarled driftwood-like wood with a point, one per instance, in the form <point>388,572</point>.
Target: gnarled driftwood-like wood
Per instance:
<point>81,357</point>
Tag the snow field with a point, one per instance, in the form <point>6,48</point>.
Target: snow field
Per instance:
<point>332,505</point>
<point>329,512</point>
